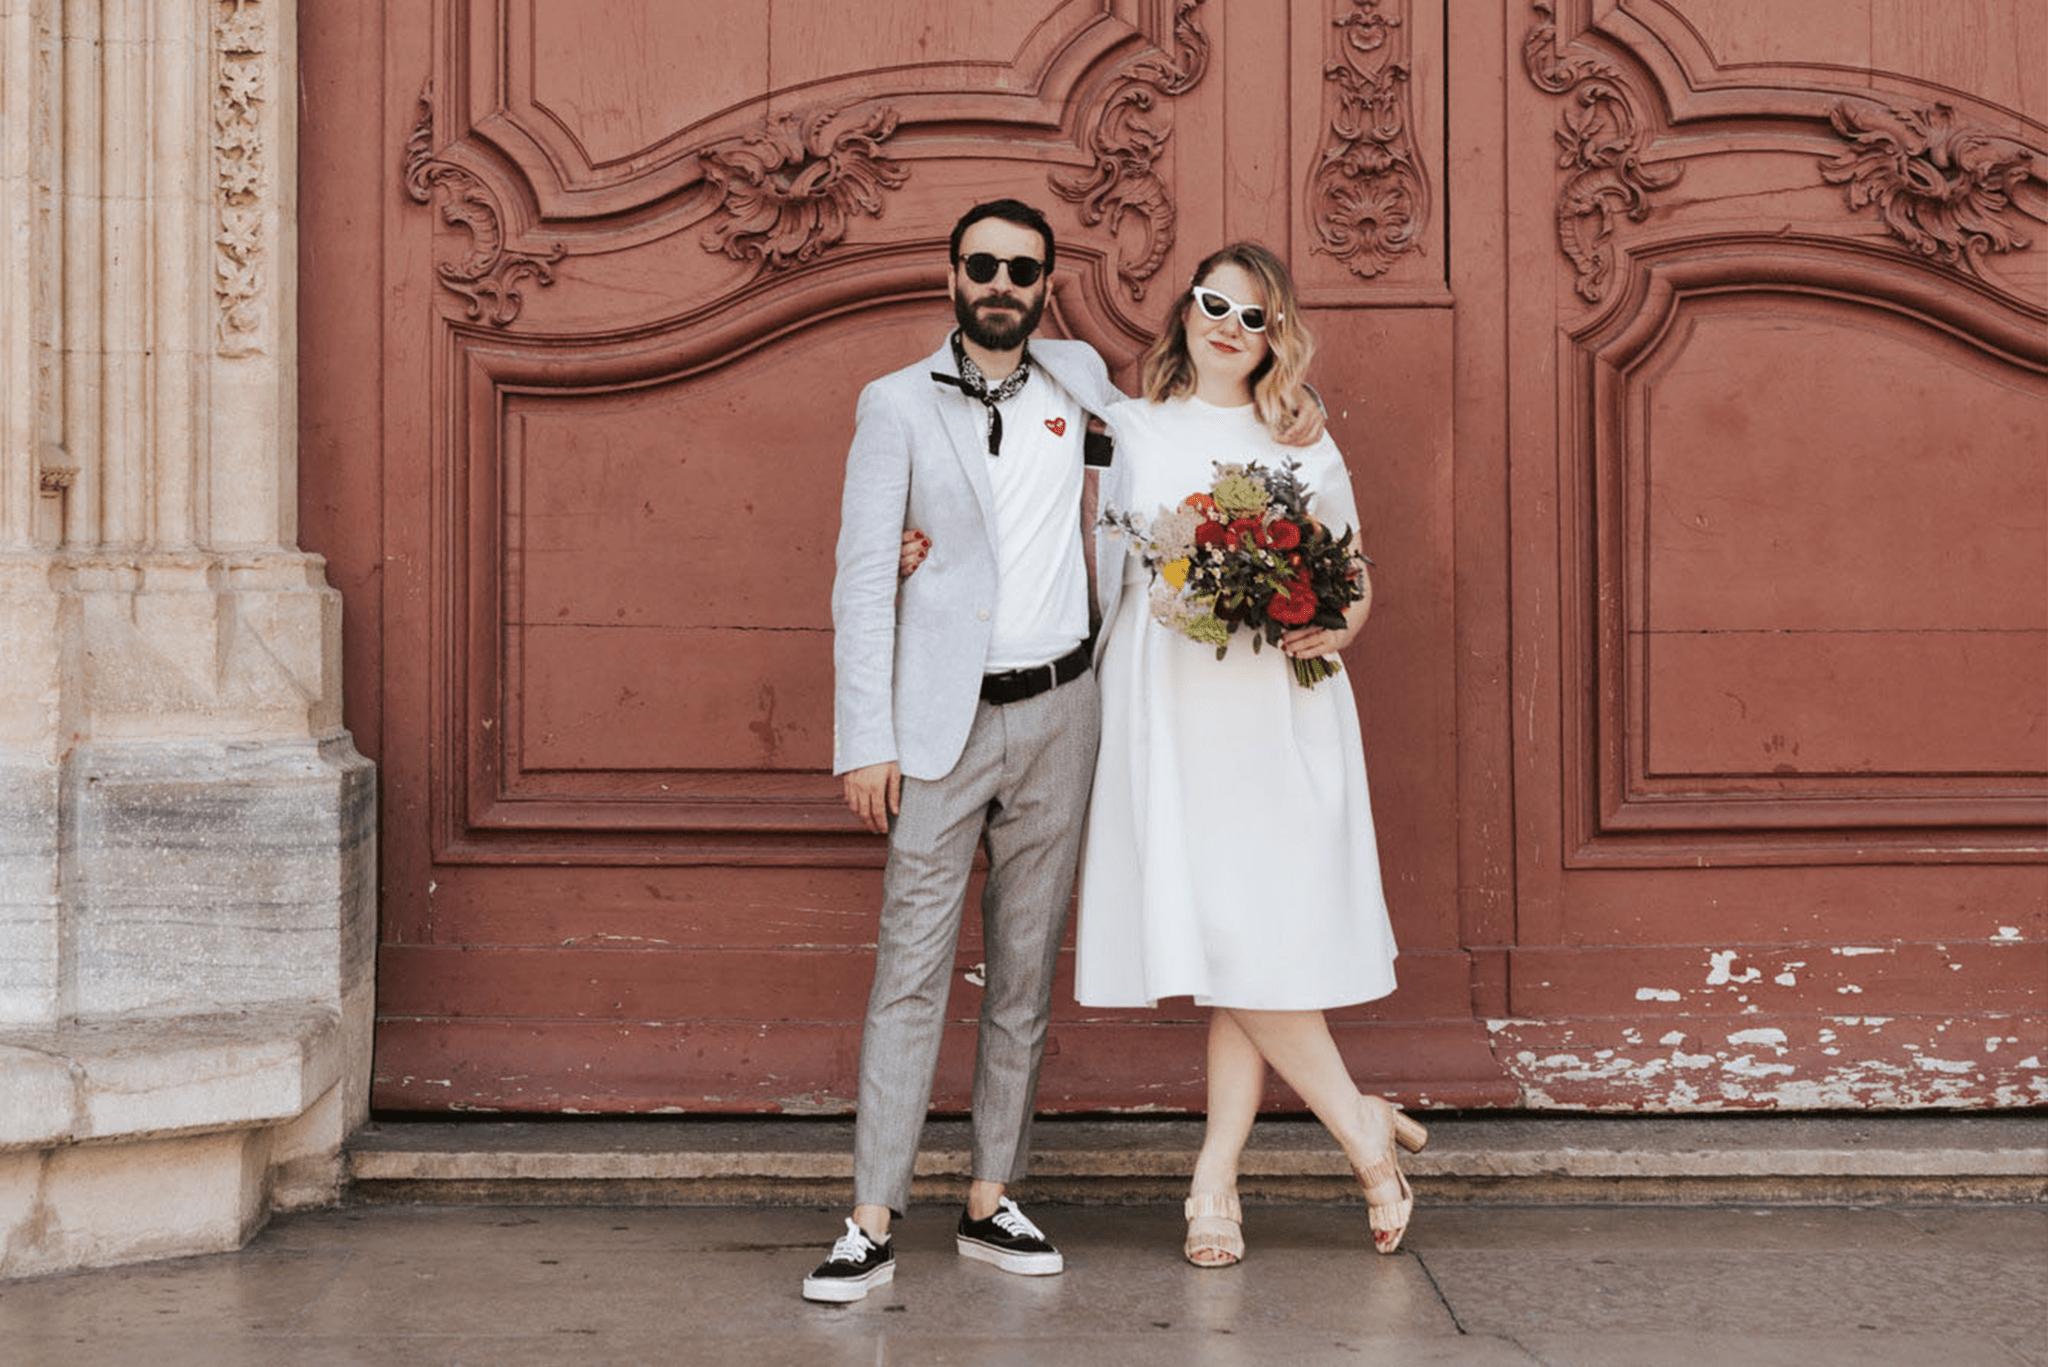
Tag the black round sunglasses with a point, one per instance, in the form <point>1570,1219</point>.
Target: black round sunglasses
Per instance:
<point>1024,270</point>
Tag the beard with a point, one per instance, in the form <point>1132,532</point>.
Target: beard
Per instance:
<point>986,330</point>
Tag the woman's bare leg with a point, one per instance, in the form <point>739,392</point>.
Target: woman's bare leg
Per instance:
<point>1300,1048</point>
<point>1237,1079</point>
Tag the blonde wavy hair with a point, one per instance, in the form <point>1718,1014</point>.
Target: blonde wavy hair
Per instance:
<point>1280,392</point>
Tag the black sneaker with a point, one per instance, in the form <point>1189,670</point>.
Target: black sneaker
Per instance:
<point>857,1265</point>
<point>1010,1241</point>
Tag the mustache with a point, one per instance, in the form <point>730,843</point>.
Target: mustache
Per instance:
<point>1006,301</point>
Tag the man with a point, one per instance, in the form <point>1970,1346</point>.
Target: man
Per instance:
<point>965,714</point>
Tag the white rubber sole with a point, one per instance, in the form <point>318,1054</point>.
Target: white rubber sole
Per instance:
<point>840,1290</point>
<point>1023,1264</point>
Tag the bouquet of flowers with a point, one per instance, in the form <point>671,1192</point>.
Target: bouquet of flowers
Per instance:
<point>1246,552</point>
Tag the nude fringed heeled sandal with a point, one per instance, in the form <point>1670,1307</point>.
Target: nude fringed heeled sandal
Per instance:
<point>1214,1226</point>
<point>1389,1218</point>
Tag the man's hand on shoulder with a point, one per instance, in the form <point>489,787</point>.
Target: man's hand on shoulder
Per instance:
<point>874,793</point>
<point>1306,428</point>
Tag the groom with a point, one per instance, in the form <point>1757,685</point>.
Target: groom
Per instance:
<point>965,714</point>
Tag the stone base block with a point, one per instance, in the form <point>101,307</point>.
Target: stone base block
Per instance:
<point>97,1205</point>
<point>147,1138</point>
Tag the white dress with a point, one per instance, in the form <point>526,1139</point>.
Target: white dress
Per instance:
<point>1229,853</point>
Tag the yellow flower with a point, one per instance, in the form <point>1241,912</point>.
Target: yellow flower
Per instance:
<point>1175,572</point>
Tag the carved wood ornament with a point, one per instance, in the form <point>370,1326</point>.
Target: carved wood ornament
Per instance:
<point>1127,143</point>
<point>786,193</point>
<point>1602,144</point>
<point>783,194</point>
<point>488,276</point>
<point>239,176</point>
<point>1941,186</point>
<point>1369,198</point>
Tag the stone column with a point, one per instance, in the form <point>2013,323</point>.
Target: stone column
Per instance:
<point>187,865</point>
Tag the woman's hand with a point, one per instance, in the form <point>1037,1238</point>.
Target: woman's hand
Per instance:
<point>916,546</point>
<point>1307,643</point>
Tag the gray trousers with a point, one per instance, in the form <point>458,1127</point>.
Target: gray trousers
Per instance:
<point>1020,790</point>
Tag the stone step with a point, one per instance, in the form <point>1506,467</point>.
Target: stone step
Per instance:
<point>1472,1157</point>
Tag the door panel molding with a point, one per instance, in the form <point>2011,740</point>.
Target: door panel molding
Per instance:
<point>1623,529</point>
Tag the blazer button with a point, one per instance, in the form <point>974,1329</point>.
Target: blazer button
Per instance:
<point>982,614</point>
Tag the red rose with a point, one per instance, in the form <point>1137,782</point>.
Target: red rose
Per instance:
<point>1282,535</point>
<point>1211,534</point>
<point>1247,527</point>
<point>1294,604</point>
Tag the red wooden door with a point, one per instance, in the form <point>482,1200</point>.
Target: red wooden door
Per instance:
<point>637,260</point>
<point>1776,404</point>
<point>1699,449</point>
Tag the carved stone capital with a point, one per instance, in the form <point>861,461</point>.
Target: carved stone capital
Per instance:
<point>242,176</point>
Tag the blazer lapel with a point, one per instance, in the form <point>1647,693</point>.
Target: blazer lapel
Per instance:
<point>964,422</point>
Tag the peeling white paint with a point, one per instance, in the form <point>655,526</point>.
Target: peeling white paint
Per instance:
<point>1655,994</point>
<point>1747,1066</point>
<point>1844,991</point>
<point>1774,1038</point>
<point>1787,980</point>
<point>1851,951</point>
<point>2007,933</point>
<point>1723,970</point>
<point>1834,1063</point>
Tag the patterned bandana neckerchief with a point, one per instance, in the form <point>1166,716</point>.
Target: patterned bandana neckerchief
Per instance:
<point>974,385</point>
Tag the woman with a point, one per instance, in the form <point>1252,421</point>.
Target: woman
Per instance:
<point>1230,853</point>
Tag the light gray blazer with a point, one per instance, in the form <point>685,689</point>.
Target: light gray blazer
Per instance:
<point>907,662</point>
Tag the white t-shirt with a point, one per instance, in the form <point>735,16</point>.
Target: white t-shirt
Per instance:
<point>1041,608</point>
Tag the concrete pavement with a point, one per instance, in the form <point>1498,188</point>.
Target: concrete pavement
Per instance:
<point>1560,1241</point>
<point>1489,1286</point>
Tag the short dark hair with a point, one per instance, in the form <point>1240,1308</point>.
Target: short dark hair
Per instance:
<point>1010,211</point>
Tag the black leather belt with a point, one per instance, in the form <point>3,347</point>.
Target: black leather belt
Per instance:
<point>1015,685</point>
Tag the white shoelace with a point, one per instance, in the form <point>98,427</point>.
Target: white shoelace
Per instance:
<point>1013,1221</point>
<point>853,1245</point>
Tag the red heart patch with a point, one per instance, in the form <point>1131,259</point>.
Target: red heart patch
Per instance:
<point>1057,426</point>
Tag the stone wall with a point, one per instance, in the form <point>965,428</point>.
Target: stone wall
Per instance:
<point>187,834</point>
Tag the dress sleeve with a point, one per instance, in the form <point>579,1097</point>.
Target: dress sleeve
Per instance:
<point>1329,482</point>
